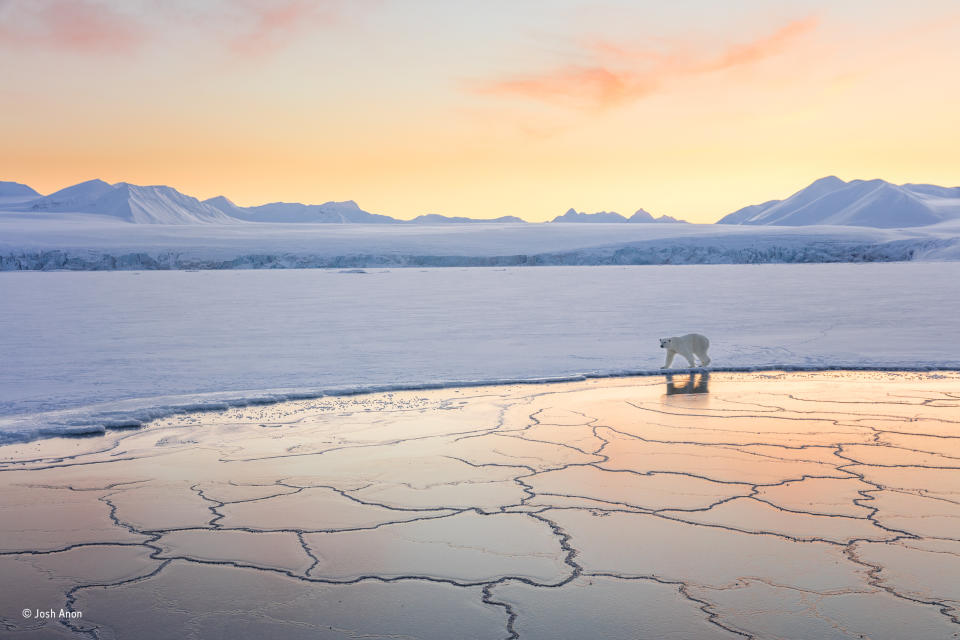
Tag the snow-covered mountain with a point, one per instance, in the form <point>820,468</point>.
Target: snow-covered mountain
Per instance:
<point>16,191</point>
<point>864,203</point>
<point>644,216</point>
<point>436,218</point>
<point>828,201</point>
<point>165,205</point>
<point>225,205</point>
<point>572,215</point>
<point>132,203</point>
<point>156,205</point>
<point>79,197</point>
<point>333,212</point>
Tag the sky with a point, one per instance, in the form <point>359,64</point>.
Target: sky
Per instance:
<point>692,108</point>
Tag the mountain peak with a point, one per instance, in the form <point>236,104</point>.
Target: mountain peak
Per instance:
<point>73,198</point>
<point>572,215</point>
<point>866,203</point>
<point>88,186</point>
<point>436,218</point>
<point>16,190</point>
<point>219,200</point>
<point>641,215</point>
<point>154,204</point>
<point>827,181</point>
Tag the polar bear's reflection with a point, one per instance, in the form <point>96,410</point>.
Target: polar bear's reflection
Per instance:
<point>688,384</point>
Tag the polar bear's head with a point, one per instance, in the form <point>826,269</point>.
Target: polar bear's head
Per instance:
<point>665,343</point>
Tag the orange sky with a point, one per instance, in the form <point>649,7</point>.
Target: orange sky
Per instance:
<point>526,109</point>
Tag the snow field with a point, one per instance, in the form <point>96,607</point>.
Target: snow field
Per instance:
<point>86,349</point>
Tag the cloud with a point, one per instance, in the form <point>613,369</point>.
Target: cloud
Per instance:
<point>269,25</point>
<point>614,74</point>
<point>242,28</point>
<point>69,25</point>
<point>770,45</point>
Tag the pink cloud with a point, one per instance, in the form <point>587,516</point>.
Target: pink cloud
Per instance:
<point>270,25</point>
<point>765,47</point>
<point>577,86</point>
<point>77,25</point>
<point>245,28</point>
<point>616,74</point>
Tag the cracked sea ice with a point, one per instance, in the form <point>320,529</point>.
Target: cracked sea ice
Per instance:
<point>791,505</point>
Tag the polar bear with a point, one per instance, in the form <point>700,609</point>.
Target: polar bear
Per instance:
<point>687,346</point>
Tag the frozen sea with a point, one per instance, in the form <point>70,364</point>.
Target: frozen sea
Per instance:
<point>85,350</point>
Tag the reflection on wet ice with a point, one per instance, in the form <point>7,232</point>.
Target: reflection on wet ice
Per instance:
<point>690,383</point>
<point>795,505</point>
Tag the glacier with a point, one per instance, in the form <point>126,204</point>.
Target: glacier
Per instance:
<point>74,241</point>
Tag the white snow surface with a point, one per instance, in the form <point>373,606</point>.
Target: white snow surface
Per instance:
<point>84,351</point>
<point>78,241</point>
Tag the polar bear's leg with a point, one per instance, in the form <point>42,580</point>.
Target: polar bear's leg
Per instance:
<point>670,354</point>
<point>689,356</point>
<point>704,358</point>
<point>701,354</point>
